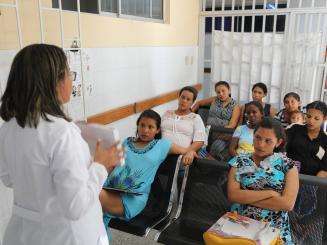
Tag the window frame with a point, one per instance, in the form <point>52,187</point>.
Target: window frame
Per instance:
<point>133,17</point>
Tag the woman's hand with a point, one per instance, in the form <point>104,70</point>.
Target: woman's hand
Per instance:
<point>110,157</point>
<point>195,107</point>
<point>189,157</point>
<point>322,174</point>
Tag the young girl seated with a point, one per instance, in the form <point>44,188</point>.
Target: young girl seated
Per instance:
<point>313,156</point>
<point>259,92</point>
<point>242,140</point>
<point>264,185</point>
<point>292,102</point>
<point>143,156</point>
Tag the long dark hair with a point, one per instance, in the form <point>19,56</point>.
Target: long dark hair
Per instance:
<point>223,83</point>
<point>292,94</point>
<point>262,86</point>
<point>189,89</point>
<point>256,104</point>
<point>31,90</point>
<point>153,115</point>
<point>277,127</point>
<point>318,105</point>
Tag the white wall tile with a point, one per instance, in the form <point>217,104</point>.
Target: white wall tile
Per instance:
<point>6,58</point>
<point>127,126</point>
<point>126,75</point>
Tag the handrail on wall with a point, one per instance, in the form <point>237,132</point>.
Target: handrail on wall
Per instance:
<point>137,107</point>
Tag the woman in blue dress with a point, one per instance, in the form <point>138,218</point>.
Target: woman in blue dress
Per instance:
<point>143,156</point>
<point>264,185</point>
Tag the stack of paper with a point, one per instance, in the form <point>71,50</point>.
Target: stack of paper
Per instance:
<point>234,225</point>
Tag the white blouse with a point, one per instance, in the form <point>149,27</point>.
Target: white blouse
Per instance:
<point>183,130</point>
<point>56,186</point>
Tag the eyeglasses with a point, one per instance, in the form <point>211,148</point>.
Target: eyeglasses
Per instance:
<point>72,75</point>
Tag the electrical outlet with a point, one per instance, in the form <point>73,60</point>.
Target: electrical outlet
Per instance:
<point>187,60</point>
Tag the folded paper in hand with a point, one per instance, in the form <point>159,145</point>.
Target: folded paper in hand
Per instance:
<point>92,132</point>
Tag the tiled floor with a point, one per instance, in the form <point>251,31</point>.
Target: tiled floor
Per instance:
<point>122,238</point>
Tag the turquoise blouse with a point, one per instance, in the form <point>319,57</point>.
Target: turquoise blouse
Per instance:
<point>137,174</point>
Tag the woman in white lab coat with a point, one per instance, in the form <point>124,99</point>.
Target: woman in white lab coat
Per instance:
<point>43,157</point>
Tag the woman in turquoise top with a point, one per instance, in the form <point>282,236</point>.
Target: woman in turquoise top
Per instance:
<point>143,156</point>
<point>264,185</point>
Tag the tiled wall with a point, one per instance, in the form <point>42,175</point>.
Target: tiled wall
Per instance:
<point>127,75</point>
<point>127,126</point>
<point>6,57</point>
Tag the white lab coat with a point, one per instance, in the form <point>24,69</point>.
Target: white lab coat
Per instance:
<point>56,186</point>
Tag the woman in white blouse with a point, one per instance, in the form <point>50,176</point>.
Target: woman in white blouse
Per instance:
<point>43,157</point>
<point>182,126</point>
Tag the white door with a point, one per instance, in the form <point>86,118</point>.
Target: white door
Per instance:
<point>279,42</point>
<point>306,63</point>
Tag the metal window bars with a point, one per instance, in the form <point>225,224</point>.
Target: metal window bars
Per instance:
<point>118,9</point>
<point>311,11</point>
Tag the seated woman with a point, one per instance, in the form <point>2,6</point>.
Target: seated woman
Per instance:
<point>313,156</point>
<point>292,102</point>
<point>143,156</point>
<point>259,91</point>
<point>183,127</point>
<point>242,140</point>
<point>224,112</point>
<point>264,185</point>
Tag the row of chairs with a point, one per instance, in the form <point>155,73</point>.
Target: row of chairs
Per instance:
<point>160,202</point>
<point>157,212</point>
<point>203,199</point>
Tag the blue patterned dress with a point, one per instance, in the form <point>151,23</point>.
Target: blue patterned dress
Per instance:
<point>220,115</point>
<point>269,175</point>
<point>137,174</point>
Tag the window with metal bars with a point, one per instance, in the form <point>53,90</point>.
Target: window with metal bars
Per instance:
<point>86,6</point>
<point>258,21</point>
<point>150,9</point>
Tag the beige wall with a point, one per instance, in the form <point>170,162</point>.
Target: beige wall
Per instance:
<point>180,29</point>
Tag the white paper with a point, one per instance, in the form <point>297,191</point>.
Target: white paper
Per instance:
<point>255,230</point>
<point>92,132</point>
